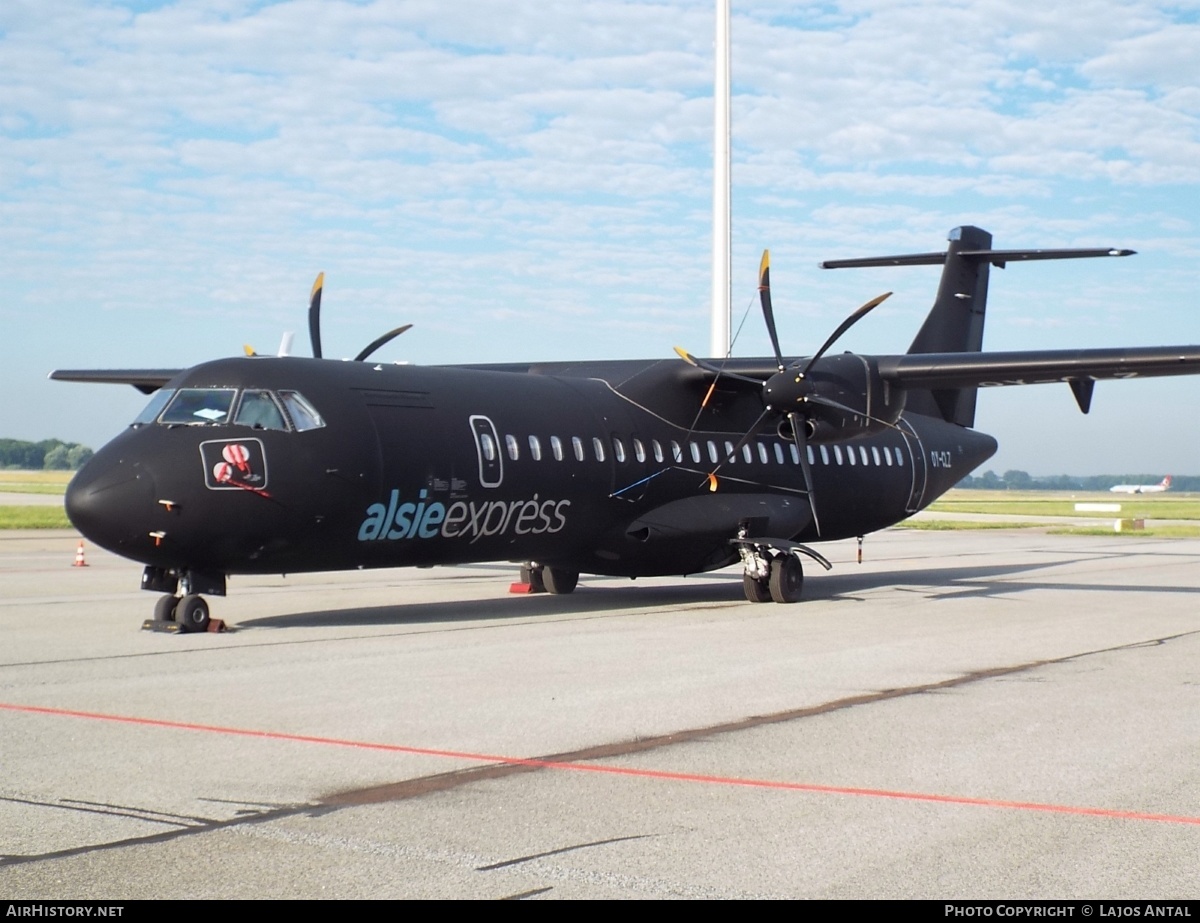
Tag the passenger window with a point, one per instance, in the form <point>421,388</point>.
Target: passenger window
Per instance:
<point>639,450</point>
<point>577,445</point>
<point>535,448</point>
<point>258,409</point>
<point>899,457</point>
<point>618,449</point>
<point>695,452</point>
<point>779,453</point>
<point>762,454</point>
<point>656,448</point>
<point>887,456</point>
<point>837,453</point>
<point>154,408</point>
<point>200,406</point>
<point>852,457</point>
<point>598,448</point>
<point>676,451</point>
<point>556,448</point>
<point>875,456</point>
<point>487,446</point>
<point>795,454</point>
<point>862,451</point>
<point>812,459</point>
<point>304,415</point>
<point>747,454</point>
<point>513,451</point>
<point>824,456</point>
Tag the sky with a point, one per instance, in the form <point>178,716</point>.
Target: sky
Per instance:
<point>531,180</point>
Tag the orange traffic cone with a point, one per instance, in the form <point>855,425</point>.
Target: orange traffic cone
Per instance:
<point>79,559</point>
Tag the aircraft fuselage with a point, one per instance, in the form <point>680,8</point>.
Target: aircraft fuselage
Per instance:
<point>416,466</point>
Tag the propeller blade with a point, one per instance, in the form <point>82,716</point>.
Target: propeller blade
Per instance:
<point>750,434</point>
<point>314,315</point>
<point>386,338</point>
<point>846,411</point>
<point>715,369</point>
<point>844,326</point>
<point>798,435</point>
<point>248,349</point>
<point>764,295</point>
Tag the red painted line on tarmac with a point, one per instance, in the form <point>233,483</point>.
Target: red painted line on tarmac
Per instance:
<point>664,775</point>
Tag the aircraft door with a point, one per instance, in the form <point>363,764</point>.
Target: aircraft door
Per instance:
<point>487,447</point>
<point>916,456</point>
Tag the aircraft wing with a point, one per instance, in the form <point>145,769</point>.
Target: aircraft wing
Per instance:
<point>991,369</point>
<point>145,380</point>
<point>944,373</point>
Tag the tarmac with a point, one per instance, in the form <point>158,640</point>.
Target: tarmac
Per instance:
<point>1000,714</point>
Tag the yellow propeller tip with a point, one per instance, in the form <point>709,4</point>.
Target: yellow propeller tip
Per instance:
<point>248,349</point>
<point>684,355</point>
<point>712,483</point>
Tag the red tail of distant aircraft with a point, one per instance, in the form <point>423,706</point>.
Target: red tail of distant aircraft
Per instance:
<point>1163,485</point>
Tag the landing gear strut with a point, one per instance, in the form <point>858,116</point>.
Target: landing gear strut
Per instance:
<point>186,613</point>
<point>772,568</point>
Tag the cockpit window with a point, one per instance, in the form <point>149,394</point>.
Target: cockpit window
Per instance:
<point>157,402</point>
<point>258,409</point>
<point>199,406</point>
<point>304,415</point>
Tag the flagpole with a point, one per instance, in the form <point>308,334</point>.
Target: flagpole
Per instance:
<point>721,259</point>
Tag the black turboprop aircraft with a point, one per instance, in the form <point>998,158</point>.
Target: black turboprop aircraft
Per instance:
<point>627,468</point>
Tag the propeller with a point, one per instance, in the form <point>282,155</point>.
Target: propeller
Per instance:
<point>314,314</point>
<point>314,325</point>
<point>790,393</point>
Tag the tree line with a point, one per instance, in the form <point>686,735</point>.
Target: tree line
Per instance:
<point>51,454</point>
<point>1022,480</point>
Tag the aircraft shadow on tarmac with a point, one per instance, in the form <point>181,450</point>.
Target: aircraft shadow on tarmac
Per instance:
<point>948,582</point>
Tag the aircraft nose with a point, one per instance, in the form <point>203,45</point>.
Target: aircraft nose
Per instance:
<point>106,500</point>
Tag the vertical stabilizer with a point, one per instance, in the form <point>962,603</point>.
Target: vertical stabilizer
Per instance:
<point>955,323</point>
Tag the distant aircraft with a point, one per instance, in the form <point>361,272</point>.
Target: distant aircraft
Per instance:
<point>1164,484</point>
<point>635,468</point>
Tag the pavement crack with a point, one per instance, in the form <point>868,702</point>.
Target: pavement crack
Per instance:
<point>557,852</point>
<point>440,782</point>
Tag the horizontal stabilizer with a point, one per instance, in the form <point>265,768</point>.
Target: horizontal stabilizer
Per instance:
<point>995,257</point>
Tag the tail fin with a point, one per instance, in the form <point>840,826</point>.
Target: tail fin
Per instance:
<point>955,323</point>
<point>1166,482</point>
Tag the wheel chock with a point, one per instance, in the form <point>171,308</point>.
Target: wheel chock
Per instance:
<point>174,628</point>
<point>523,588</point>
<point>171,628</point>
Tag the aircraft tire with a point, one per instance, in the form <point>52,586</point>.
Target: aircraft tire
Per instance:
<point>787,579</point>
<point>533,576</point>
<point>192,614</point>
<point>756,590</point>
<point>164,609</point>
<point>559,581</point>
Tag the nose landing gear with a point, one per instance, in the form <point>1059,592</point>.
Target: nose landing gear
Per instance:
<point>186,613</point>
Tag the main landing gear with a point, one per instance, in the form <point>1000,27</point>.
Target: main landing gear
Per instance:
<point>542,578</point>
<point>772,568</point>
<point>185,613</point>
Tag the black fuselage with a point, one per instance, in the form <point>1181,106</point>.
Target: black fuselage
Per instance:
<point>599,469</point>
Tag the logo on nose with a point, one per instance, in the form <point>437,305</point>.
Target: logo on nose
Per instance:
<point>234,464</point>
